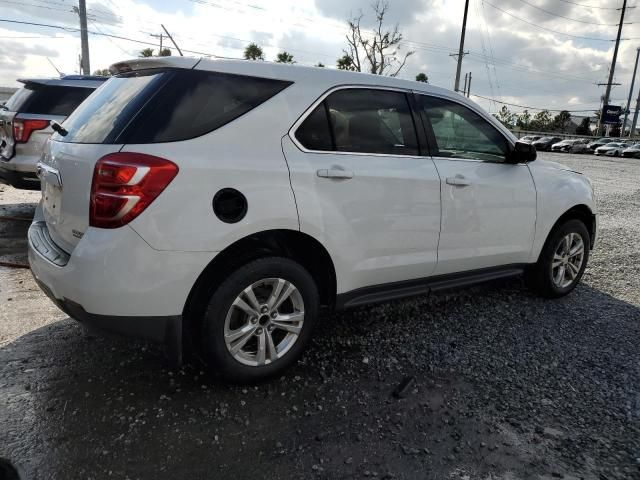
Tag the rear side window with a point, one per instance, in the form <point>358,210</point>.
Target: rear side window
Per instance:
<point>196,102</point>
<point>167,105</point>
<point>362,121</point>
<point>51,100</point>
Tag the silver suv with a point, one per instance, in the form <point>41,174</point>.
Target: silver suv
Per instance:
<point>25,123</point>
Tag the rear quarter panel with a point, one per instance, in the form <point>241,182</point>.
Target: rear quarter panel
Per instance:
<point>246,155</point>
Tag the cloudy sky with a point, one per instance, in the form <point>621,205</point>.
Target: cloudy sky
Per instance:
<point>515,54</point>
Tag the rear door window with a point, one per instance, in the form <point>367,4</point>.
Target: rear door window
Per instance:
<point>372,121</point>
<point>315,131</point>
<point>50,100</point>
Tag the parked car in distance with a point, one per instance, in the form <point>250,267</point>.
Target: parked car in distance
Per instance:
<point>530,138</point>
<point>632,151</point>
<point>224,202</point>
<point>611,149</point>
<point>572,145</point>
<point>545,143</point>
<point>25,122</point>
<point>600,142</point>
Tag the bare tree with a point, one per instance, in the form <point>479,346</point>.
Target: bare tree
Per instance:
<point>376,51</point>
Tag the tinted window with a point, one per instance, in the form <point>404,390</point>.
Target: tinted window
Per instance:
<point>51,100</point>
<point>462,133</point>
<point>314,133</point>
<point>103,116</point>
<point>372,121</point>
<point>195,102</point>
<point>17,99</point>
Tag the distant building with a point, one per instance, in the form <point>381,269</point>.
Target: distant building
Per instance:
<point>5,93</point>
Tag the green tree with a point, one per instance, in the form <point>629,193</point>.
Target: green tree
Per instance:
<point>374,50</point>
<point>346,63</point>
<point>541,121</point>
<point>104,72</point>
<point>284,57</point>
<point>422,77</point>
<point>320,65</point>
<point>583,128</point>
<point>253,52</point>
<point>165,52</point>
<point>561,121</point>
<point>147,52</point>
<point>523,120</point>
<point>506,117</point>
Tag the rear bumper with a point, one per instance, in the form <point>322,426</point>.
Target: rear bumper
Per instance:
<point>18,179</point>
<point>115,281</point>
<point>166,330</point>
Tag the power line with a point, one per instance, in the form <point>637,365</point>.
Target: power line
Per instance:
<point>567,18</point>
<point>589,6</point>
<point>75,30</point>
<point>548,29</point>
<point>530,108</point>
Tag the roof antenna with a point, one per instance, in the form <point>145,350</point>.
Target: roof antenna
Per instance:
<point>56,68</point>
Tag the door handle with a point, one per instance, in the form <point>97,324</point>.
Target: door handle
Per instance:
<point>335,173</point>
<point>458,181</point>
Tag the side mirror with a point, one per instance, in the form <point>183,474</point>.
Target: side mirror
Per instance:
<point>522,153</point>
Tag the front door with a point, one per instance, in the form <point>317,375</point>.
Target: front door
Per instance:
<point>488,205</point>
<point>363,189</point>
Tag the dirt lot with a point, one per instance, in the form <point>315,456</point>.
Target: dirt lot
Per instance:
<point>506,385</point>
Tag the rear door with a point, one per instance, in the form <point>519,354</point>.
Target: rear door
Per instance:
<point>488,205</point>
<point>363,188</point>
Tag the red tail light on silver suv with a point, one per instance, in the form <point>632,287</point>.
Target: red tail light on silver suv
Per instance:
<point>124,184</point>
<point>22,128</point>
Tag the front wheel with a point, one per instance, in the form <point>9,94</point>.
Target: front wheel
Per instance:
<point>562,261</point>
<point>260,319</point>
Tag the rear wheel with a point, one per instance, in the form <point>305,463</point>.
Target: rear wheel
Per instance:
<point>562,261</point>
<point>260,319</point>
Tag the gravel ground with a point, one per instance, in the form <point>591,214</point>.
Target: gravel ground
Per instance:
<point>502,384</point>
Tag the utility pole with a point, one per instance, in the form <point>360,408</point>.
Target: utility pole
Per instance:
<point>469,86</point>
<point>466,79</point>
<point>84,37</point>
<point>633,81</point>
<point>176,45</point>
<point>635,116</point>
<point>613,68</point>
<point>461,51</point>
<point>159,35</point>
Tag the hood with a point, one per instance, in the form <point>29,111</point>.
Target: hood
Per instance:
<point>555,166</point>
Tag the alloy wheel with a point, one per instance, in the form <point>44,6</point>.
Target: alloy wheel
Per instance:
<point>264,322</point>
<point>567,260</point>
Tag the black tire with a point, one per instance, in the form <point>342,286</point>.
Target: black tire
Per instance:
<point>539,277</point>
<point>220,360</point>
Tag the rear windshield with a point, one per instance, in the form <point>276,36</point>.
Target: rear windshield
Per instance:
<point>165,105</point>
<point>47,99</point>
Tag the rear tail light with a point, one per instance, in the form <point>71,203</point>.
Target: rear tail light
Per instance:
<point>124,184</point>
<point>22,128</point>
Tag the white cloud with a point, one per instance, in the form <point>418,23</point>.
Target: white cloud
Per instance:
<point>509,59</point>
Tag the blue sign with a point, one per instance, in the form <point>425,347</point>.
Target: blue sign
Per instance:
<point>611,114</point>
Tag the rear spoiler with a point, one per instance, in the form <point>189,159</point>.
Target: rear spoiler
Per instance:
<point>153,62</point>
<point>85,82</point>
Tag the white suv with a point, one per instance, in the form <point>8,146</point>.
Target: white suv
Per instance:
<point>218,204</point>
